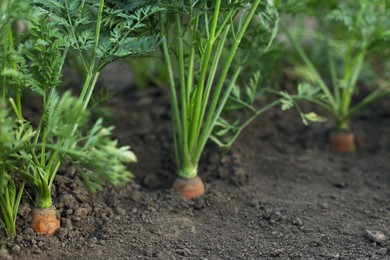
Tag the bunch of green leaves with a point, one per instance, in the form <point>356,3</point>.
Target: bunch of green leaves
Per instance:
<point>57,27</point>
<point>202,40</point>
<point>13,137</point>
<point>90,158</point>
<point>89,148</point>
<point>342,43</point>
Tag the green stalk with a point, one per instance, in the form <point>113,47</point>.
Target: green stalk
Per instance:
<point>44,132</point>
<point>196,115</point>
<point>190,71</point>
<point>213,115</point>
<point>333,74</point>
<point>42,196</point>
<point>183,91</point>
<point>176,120</point>
<point>210,81</point>
<point>346,93</point>
<point>4,82</point>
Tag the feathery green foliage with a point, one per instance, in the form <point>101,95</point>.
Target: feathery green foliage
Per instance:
<point>98,34</point>
<point>346,34</point>
<point>202,40</point>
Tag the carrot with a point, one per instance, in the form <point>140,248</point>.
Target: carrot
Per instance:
<point>189,189</point>
<point>342,141</point>
<point>45,221</point>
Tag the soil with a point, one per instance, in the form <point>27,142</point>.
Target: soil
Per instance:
<point>279,193</point>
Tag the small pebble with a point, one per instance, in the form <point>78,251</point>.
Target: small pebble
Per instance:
<point>325,205</point>
<point>382,251</point>
<point>29,231</point>
<point>375,236</point>
<point>16,249</point>
<point>277,252</point>
<point>297,222</point>
<point>120,211</point>
<point>254,203</point>
<point>136,196</point>
<point>341,185</point>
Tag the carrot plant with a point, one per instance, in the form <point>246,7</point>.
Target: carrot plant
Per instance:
<point>99,35</point>
<point>201,41</point>
<point>12,136</point>
<point>347,34</point>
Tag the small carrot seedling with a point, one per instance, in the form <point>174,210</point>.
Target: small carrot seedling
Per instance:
<point>98,34</point>
<point>12,136</point>
<point>348,32</point>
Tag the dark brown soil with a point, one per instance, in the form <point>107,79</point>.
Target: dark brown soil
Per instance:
<point>280,192</point>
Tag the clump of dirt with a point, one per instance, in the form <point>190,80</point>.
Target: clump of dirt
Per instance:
<point>279,193</point>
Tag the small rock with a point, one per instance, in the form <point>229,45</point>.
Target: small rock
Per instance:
<point>341,185</point>
<point>376,236</point>
<point>254,203</point>
<point>37,251</point>
<point>325,205</point>
<point>199,204</point>
<point>19,238</point>
<point>16,249</point>
<point>276,216</point>
<point>93,240</point>
<point>382,251</point>
<point>29,231</point>
<point>277,252</point>
<point>297,222</point>
<point>335,256</point>
<point>33,241</point>
<point>183,252</point>
<point>62,233</point>
<point>120,211</point>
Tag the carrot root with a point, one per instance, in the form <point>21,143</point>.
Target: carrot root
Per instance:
<point>45,221</point>
<point>342,142</point>
<point>189,189</point>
